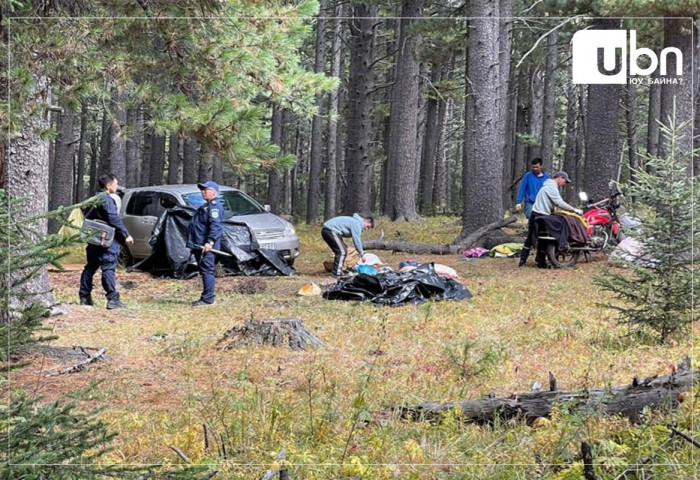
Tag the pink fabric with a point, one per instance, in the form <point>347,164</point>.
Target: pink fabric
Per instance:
<point>475,252</point>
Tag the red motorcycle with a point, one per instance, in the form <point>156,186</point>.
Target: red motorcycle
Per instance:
<point>603,231</point>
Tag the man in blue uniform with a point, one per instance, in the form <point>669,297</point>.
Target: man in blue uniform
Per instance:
<point>101,257</point>
<point>203,236</point>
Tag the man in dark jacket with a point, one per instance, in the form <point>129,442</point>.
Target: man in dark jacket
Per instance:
<point>530,186</point>
<point>204,235</point>
<point>105,257</point>
<point>350,227</point>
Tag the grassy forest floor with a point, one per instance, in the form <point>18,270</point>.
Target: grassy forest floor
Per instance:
<point>165,377</point>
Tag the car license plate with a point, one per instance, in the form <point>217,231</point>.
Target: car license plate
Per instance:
<point>268,246</point>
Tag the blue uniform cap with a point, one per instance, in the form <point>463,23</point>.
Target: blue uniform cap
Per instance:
<point>209,184</point>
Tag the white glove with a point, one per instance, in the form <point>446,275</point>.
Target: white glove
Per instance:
<point>578,211</point>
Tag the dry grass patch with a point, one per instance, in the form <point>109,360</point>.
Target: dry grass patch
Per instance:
<point>167,377</point>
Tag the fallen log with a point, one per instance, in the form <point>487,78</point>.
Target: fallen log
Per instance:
<point>277,332</point>
<point>626,400</point>
<point>471,239</point>
<point>437,248</point>
<point>408,247</point>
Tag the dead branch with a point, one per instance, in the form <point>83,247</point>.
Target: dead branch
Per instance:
<point>180,454</point>
<point>271,472</point>
<point>685,437</point>
<point>471,239</point>
<point>80,366</point>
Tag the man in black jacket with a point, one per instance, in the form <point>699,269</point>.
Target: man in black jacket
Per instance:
<point>101,257</point>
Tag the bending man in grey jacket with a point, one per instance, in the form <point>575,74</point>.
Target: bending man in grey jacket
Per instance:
<point>333,232</point>
<point>547,198</point>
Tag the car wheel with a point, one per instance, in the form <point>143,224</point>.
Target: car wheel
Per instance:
<point>125,259</point>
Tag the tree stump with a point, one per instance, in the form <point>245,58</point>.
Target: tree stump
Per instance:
<point>289,332</point>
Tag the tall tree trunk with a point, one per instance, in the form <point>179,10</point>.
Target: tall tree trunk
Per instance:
<point>155,174</point>
<point>54,122</point>
<point>94,164</point>
<point>174,159</point>
<point>550,101</point>
<point>274,185</point>
<point>358,156</point>
<point>145,178</point>
<point>570,152</point>
<point>401,157</point>
<point>189,161</point>
<point>508,103</point>
<point>28,173</point>
<point>317,123</point>
<point>217,172</point>
<point>420,128</point>
<point>80,174</point>
<point>520,161</point>
<point>132,148</point>
<point>631,115</point>
<point>581,135</point>
<point>287,196</point>
<point>678,33</point>
<point>654,116</point>
<point>393,25</point>
<point>105,143</point>
<point>536,114</point>
<point>62,186</point>
<point>484,132</point>
<point>206,166</point>
<point>288,145</point>
<point>117,149</point>
<point>602,149</point>
<point>433,130</point>
<point>440,188</point>
<point>332,150</point>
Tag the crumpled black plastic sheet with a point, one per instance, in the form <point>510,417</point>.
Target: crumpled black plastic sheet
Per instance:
<point>399,288</point>
<point>171,257</point>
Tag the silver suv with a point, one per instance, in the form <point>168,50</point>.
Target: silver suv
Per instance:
<point>142,206</point>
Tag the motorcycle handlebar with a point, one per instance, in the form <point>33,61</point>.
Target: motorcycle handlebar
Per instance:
<point>604,201</point>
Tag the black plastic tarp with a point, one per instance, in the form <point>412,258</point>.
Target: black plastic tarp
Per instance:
<point>171,257</point>
<point>399,288</point>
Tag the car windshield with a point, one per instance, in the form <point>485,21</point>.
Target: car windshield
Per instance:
<point>238,203</point>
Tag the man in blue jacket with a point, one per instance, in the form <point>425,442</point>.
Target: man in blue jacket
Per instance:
<point>336,228</point>
<point>204,235</point>
<point>101,257</point>
<point>530,186</point>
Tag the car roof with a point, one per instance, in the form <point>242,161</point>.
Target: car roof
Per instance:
<point>181,189</point>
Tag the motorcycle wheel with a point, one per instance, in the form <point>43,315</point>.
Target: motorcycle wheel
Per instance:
<point>561,259</point>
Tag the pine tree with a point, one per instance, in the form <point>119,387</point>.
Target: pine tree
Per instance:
<point>45,440</point>
<point>656,293</point>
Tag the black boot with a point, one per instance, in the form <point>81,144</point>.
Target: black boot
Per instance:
<point>86,301</point>
<point>524,253</point>
<point>541,259</point>
<point>115,303</point>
